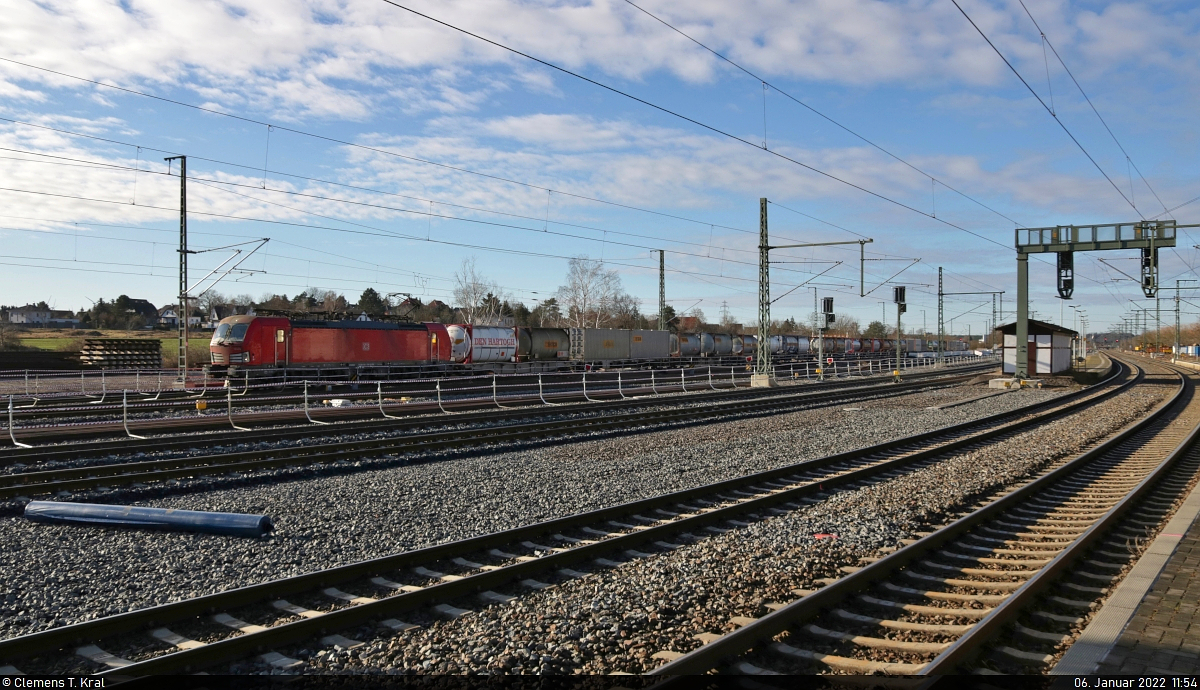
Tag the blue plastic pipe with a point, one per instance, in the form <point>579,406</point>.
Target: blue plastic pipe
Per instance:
<point>62,513</point>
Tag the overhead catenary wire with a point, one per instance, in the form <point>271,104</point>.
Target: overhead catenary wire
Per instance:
<point>327,281</point>
<point>1047,108</point>
<point>208,182</point>
<point>601,260</point>
<point>454,167</point>
<point>818,113</point>
<point>545,221</point>
<point>391,153</point>
<point>416,212</point>
<point>1176,208</point>
<point>390,271</point>
<point>691,274</point>
<point>320,281</point>
<point>932,178</point>
<point>1046,42</point>
<point>365,147</point>
<point>214,234</point>
<point>698,123</point>
<point>368,230</point>
<point>319,180</point>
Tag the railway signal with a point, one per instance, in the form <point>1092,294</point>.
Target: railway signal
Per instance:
<point>898,295</point>
<point>1148,236</point>
<point>827,309</point>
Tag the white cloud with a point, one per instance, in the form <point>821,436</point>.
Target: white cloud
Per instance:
<point>330,58</point>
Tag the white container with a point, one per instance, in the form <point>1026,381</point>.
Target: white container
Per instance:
<point>493,344</point>
<point>460,342</point>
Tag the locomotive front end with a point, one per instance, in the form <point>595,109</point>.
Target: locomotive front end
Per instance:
<point>227,346</point>
<point>247,340</point>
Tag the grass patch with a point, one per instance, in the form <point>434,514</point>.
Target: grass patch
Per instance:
<point>42,343</point>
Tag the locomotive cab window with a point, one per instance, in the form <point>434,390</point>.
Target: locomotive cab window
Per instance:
<point>230,333</point>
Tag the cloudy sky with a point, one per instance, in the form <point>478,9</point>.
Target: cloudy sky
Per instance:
<point>378,148</point>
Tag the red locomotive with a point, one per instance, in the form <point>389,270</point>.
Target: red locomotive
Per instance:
<point>277,341</point>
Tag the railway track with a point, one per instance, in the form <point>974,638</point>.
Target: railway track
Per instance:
<point>411,435</point>
<point>394,591</point>
<point>39,424</point>
<point>93,476</point>
<point>1002,589</point>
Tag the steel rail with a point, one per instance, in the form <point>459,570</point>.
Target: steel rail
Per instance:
<point>348,617</point>
<point>721,651</point>
<point>969,645</point>
<point>91,476</point>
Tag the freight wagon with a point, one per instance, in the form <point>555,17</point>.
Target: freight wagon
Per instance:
<point>334,348</point>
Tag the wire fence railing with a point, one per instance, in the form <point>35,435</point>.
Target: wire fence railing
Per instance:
<point>440,394</point>
<point>37,383</point>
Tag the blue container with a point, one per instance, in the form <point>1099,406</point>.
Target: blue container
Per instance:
<point>95,514</point>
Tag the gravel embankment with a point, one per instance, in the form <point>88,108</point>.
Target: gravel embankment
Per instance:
<point>58,575</point>
<point>616,619</point>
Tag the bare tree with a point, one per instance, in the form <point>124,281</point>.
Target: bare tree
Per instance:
<point>208,300</point>
<point>479,298</point>
<point>626,311</point>
<point>728,324</point>
<point>593,294</point>
<point>847,326</point>
<point>332,301</point>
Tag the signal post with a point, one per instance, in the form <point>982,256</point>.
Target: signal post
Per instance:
<point>1148,235</point>
<point>763,375</point>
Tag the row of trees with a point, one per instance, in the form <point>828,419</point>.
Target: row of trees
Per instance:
<point>592,296</point>
<point>1188,335</point>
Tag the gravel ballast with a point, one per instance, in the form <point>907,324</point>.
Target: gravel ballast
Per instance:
<point>615,619</point>
<point>58,575</point>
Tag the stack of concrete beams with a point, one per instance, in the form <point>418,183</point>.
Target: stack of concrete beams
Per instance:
<point>121,353</point>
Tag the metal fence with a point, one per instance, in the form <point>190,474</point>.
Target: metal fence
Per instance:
<point>501,390</point>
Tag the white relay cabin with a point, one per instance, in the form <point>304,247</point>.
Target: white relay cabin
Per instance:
<point>1049,347</point>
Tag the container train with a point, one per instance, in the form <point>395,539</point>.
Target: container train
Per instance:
<point>263,343</point>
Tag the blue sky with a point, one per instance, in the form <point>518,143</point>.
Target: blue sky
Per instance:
<point>498,131</point>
